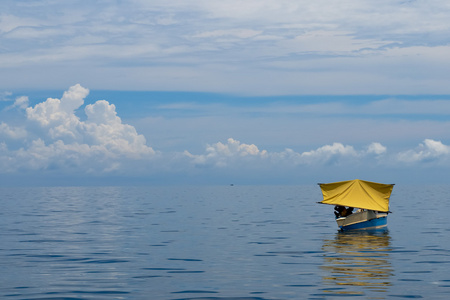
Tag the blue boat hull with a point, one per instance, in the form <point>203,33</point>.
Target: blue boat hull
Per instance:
<point>366,219</point>
<point>377,223</point>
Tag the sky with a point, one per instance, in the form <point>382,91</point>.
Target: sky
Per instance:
<point>220,92</point>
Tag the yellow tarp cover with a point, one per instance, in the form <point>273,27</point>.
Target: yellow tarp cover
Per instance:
<point>357,193</point>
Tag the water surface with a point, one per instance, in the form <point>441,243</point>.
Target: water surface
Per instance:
<point>230,242</point>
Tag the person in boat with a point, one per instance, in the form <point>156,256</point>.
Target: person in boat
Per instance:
<point>342,211</point>
<point>349,211</point>
<point>338,210</point>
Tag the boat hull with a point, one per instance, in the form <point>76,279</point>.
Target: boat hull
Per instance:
<point>363,220</point>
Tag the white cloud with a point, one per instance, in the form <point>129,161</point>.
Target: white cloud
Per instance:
<point>21,102</point>
<point>55,137</point>
<point>329,153</point>
<point>252,47</point>
<point>221,155</point>
<point>234,153</point>
<point>429,151</point>
<point>15,133</point>
<point>54,112</point>
<point>57,117</point>
<point>104,127</point>
<point>233,148</point>
<point>376,148</point>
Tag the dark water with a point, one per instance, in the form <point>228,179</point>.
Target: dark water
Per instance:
<point>260,242</point>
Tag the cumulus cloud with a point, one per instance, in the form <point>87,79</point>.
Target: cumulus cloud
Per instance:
<point>334,154</point>
<point>55,113</point>
<point>376,148</point>
<point>55,137</point>
<point>428,151</point>
<point>329,153</point>
<point>9,132</point>
<point>232,152</point>
<point>21,102</point>
<point>221,155</point>
<point>103,128</point>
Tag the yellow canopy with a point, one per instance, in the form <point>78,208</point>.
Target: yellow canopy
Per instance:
<point>357,193</point>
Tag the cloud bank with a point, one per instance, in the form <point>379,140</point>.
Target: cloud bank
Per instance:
<point>252,47</point>
<point>64,136</point>
<point>236,153</point>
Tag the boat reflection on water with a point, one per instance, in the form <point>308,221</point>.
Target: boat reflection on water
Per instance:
<point>357,263</point>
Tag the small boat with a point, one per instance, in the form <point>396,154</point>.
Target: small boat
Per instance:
<point>358,204</point>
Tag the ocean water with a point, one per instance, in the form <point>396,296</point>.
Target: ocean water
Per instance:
<point>229,242</point>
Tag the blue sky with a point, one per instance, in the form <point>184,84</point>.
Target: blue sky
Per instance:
<point>219,92</point>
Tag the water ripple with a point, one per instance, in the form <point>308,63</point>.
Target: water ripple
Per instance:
<point>218,243</point>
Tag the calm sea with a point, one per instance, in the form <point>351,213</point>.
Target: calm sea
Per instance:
<point>230,242</point>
